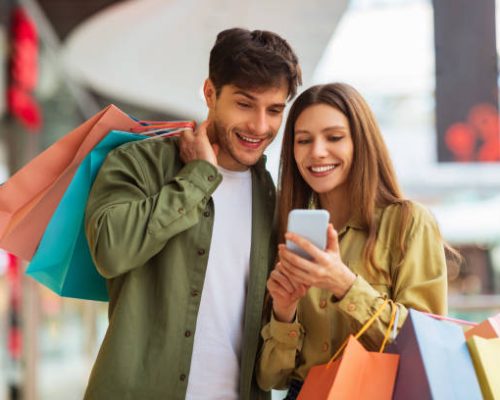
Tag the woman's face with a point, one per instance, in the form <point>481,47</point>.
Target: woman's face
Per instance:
<point>323,148</point>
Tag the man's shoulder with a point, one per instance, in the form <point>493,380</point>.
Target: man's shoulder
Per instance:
<point>150,153</point>
<point>150,148</point>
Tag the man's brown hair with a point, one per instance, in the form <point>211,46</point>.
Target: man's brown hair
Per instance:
<point>253,59</point>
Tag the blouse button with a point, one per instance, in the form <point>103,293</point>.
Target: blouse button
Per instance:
<point>201,252</point>
<point>211,178</point>
<point>292,334</point>
<point>322,303</point>
<point>325,347</point>
<point>351,307</point>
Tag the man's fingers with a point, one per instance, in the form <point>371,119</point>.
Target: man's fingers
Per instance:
<point>202,128</point>
<point>216,148</point>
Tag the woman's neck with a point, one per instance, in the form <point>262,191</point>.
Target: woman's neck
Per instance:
<point>337,203</point>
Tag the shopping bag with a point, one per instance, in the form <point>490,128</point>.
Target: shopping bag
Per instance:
<point>485,355</point>
<point>359,374</point>
<point>434,360</point>
<point>489,329</point>
<point>28,199</point>
<point>62,261</point>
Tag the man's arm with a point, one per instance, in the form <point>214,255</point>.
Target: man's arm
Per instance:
<point>129,217</point>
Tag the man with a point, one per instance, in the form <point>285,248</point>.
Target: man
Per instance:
<point>182,231</point>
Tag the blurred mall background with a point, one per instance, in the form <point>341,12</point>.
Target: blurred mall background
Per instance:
<point>429,70</point>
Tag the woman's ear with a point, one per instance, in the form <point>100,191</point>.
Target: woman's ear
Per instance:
<point>209,93</point>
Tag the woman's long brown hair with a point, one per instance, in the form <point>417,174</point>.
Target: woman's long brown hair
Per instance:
<point>372,180</point>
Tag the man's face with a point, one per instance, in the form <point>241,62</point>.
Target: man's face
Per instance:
<point>244,122</point>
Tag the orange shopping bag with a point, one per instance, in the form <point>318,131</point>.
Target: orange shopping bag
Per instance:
<point>358,374</point>
<point>488,329</point>
<point>29,198</point>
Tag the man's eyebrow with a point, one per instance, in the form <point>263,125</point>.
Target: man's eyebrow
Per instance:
<point>246,94</point>
<point>253,98</point>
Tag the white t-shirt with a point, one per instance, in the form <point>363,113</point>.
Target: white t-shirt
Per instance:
<point>215,363</point>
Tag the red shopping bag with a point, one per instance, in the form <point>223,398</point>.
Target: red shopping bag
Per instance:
<point>359,374</point>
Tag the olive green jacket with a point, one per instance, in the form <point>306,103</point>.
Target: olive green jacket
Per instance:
<point>149,224</point>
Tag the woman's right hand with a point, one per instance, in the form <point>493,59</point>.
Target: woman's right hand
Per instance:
<point>285,293</point>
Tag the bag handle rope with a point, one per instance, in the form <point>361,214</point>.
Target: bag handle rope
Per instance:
<point>364,328</point>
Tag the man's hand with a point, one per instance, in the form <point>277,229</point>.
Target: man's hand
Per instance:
<point>196,145</point>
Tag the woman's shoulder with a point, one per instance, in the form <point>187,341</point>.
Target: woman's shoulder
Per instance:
<point>409,215</point>
<point>417,212</point>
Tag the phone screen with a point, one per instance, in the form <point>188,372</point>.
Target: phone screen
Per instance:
<point>311,225</point>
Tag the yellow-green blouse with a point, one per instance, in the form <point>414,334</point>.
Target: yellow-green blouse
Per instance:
<point>322,324</point>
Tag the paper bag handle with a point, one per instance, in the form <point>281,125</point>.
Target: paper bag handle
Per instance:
<point>365,327</point>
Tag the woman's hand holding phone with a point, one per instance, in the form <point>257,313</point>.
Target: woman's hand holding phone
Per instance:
<point>325,269</point>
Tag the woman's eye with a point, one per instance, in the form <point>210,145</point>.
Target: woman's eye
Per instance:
<point>303,141</point>
<point>335,138</point>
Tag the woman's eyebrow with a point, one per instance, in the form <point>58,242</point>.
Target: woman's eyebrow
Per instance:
<point>325,130</point>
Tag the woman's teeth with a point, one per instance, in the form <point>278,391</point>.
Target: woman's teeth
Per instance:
<point>323,168</point>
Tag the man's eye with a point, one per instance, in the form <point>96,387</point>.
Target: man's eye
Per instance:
<point>244,105</point>
<point>275,111</point>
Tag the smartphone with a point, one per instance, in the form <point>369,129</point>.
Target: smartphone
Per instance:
<point>311,225</point>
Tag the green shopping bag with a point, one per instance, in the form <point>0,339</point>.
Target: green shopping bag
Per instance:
<point>62,261</point>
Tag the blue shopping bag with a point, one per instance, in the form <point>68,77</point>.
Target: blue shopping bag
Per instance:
<point>434,361</point>
<point>62,261</point>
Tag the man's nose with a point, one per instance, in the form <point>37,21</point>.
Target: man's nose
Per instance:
<point>259,124</point>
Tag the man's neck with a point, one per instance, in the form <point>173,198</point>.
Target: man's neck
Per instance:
<point>229,163</point>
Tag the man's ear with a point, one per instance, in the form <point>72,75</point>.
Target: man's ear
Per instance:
<point>209,93</point>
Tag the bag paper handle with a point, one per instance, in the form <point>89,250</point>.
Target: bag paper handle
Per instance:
<point>393,326</point>
<point>363,329</point>
<point>450,319</point>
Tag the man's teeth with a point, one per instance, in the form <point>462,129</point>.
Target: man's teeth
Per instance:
<point>247,139</point>
<point>323,168</point>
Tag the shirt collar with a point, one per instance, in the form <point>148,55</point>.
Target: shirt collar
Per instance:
<point>355,222</point>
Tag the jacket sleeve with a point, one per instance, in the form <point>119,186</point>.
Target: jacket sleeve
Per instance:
<point>128,220</point>
<point>277,359</point>
<point>419,281</point>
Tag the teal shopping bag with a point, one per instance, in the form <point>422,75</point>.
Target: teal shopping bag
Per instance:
<point>62,261</point>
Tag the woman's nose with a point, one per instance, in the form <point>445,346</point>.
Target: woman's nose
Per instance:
<point>318,149</point>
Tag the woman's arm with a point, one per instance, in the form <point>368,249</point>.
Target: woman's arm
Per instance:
<point>419,278</point>
<point>282,335</point>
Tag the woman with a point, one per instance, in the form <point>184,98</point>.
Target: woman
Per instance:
<point>379,245</point>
